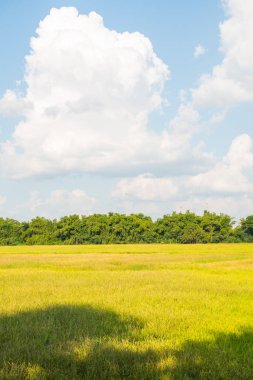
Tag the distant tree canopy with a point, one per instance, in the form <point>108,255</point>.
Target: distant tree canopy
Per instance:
<point>185,228</point>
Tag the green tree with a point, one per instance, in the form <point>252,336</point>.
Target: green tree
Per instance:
<point>69,230</point>
<point>40,231</point>
<point>10,232</point>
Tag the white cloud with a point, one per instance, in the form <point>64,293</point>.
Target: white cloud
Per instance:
<point>175,144</point>
<point>146,188</point>
<point>231,82</point>
<point>90,91</point>
<point>230,176</point>
<point>199,51</point>
<point>13,105</point>
<point>59,203</point>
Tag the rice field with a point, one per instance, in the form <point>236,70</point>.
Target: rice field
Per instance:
<point>126,312</point>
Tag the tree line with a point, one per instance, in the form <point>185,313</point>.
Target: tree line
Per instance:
<point>114,228</point>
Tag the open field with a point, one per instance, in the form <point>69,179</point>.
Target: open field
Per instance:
<point>127,312</point>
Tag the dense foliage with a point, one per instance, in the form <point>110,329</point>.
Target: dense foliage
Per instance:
<point>119,228</point>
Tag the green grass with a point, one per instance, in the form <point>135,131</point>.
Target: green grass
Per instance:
<point>127,312</point>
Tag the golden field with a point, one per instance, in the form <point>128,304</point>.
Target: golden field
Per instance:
<point>126,312</point>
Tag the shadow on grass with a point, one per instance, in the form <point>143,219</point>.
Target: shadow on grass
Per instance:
<point>81,342</point>
<point>226,357</point>
<point>73,342</point>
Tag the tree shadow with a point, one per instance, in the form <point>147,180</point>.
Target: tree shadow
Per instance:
<point>226,357</point>
<point>73,342</point>
<point>82,342</point>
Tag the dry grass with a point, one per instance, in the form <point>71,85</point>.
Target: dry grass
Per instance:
<point>126,312</point>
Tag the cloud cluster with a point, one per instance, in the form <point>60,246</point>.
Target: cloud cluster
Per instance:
<point>13,105</point>
<point>146,188</point>
<point>89,95</point>
<point>90,91</point>
<point>228,179</point>
<point>231,82</point>
<point>226,186</point>
<point>59,203</point>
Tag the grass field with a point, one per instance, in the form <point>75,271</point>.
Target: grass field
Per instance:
<point>127,312</point>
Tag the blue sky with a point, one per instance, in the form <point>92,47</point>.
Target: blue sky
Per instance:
<point>132,123</point>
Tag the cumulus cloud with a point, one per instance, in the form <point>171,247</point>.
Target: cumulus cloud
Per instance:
<point>231,82</point>
<point>229,176</point>
<point>90,91</point>
<point>174,148</point>
<point>13,105</point>
<point>146,188</point>
<point>199,51</point>
<point>60,202</point>
<point>89,94</point>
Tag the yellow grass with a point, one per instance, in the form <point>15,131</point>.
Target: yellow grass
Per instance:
<point>126,312</point>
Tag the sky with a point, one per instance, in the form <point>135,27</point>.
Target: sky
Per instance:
<point>126,106</point>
